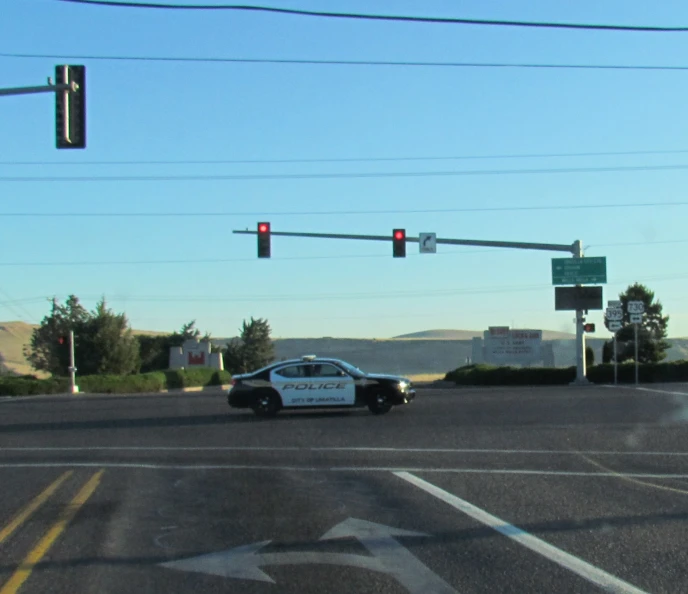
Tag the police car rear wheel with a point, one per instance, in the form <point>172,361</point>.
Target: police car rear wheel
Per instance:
<point>266,403</point>
<point>379,404</point>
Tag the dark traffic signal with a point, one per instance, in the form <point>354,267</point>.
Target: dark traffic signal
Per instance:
<point>399,243</point>
<point>263,240</point>
<point>70,108</point>
<point>589,327</point>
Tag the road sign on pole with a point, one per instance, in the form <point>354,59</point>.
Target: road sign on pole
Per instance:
<point>614,314</point>
<point>614,304</point>
<point>635,307</point>
<point>615,326</point>
<point>427,243</point>
<point>579,271</point>
<point>636,318</point>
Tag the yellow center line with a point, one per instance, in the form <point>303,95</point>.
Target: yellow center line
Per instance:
<point>38,552</point>
<point>33,505</point>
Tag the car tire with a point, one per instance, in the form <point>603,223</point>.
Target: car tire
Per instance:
<point>266,403</point>
<point>379,403</point>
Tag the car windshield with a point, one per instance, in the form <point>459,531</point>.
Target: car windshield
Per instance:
<point>352,368</point>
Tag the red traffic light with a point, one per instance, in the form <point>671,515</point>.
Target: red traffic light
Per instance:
<point>61,340</point>
<point>264,240</point>
<point>399,243</point>
<point>589,327</point>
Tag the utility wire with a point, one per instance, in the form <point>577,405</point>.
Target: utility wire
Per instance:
<point>421,294</point>
<point>347,159</point>
<point>313,62</point>
<point>359,175</point>
<point>379,17</point>
<point>336,212</point>
<point>300,258</point>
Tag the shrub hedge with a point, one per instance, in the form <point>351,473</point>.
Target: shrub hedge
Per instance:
<point>20,386</point>
<point>490,375</point>
<point>117,384</point>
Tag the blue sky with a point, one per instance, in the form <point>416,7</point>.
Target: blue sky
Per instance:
<point>150,111</point>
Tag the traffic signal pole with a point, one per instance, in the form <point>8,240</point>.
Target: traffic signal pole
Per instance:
<point>575,249</point>
<point>73,388</point>
<point>49,88</point>
<point>581,363</point>
<point>70,104</point>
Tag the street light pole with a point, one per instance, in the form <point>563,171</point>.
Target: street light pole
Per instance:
<point>73,388</point>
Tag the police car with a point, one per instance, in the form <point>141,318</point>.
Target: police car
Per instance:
<point>315,382</point>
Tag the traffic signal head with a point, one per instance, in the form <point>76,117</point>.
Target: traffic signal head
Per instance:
<point>399,243</point>
<point>589,327</point>
<point>70,107</point>
<point>61,340</point>
<point>263,240</point>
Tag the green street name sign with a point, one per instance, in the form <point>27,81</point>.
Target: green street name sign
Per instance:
<point>579,271</point>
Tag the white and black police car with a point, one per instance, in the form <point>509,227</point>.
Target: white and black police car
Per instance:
<point>317,382</point>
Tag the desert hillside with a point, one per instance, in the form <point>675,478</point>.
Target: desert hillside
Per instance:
<point>428,352</point>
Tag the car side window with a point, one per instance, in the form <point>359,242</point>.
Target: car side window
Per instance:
<point>292,371</point>
<point>325,370</point>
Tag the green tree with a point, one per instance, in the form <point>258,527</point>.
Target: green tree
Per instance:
<point>652,333</point>
<point>252,350</point>
<point>106,344</point>
<point>44,352</point>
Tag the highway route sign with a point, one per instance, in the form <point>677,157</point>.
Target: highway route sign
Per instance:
<point>579,271</point>
<point>636,318</point>
<point>427,243</point>
<point>635,307</point>
<point>614,314</point>
<point>614,304</point>
<point>615,326</point>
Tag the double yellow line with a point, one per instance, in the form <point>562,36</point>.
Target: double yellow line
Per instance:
<point>34,557</point>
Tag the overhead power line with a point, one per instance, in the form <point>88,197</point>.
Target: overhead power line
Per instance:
<point>348,159</point>
<point>639,244</point>
<point>338,212</point>
<point>398,294</point>
<point>358,175</point>
<point>313,62</point>
<point>380,17</point>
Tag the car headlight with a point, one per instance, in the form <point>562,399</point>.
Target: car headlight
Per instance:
<point>403,386</point>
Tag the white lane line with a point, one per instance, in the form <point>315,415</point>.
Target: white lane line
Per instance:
<point>641,389</point>
<point>498,471</point>
<point>279,449</point>
<point>663,391</point>
<point>584,569</point>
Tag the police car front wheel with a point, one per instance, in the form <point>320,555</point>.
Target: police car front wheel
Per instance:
<point>379,403</point>
<point>266,403</point>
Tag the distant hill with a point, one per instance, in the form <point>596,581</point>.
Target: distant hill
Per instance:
<point>13,337</point>
<point>429,352</point>
<point>447,334</point>
<point>441,335</point>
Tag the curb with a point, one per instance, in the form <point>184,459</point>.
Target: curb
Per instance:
<point>221,388</point>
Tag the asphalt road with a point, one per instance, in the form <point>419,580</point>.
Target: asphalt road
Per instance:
<point>472,490</point>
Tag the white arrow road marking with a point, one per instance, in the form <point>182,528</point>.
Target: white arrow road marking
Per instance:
<point>389,557</point>
<point>244,562</point>
<point>396,559</point>
<point>587,571</point>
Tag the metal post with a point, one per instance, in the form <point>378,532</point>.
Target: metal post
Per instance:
<point>74,389</point>
<point>635,332</point>
<point>581,370</point>
<point>616,369</point>
<point>49,88</point>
